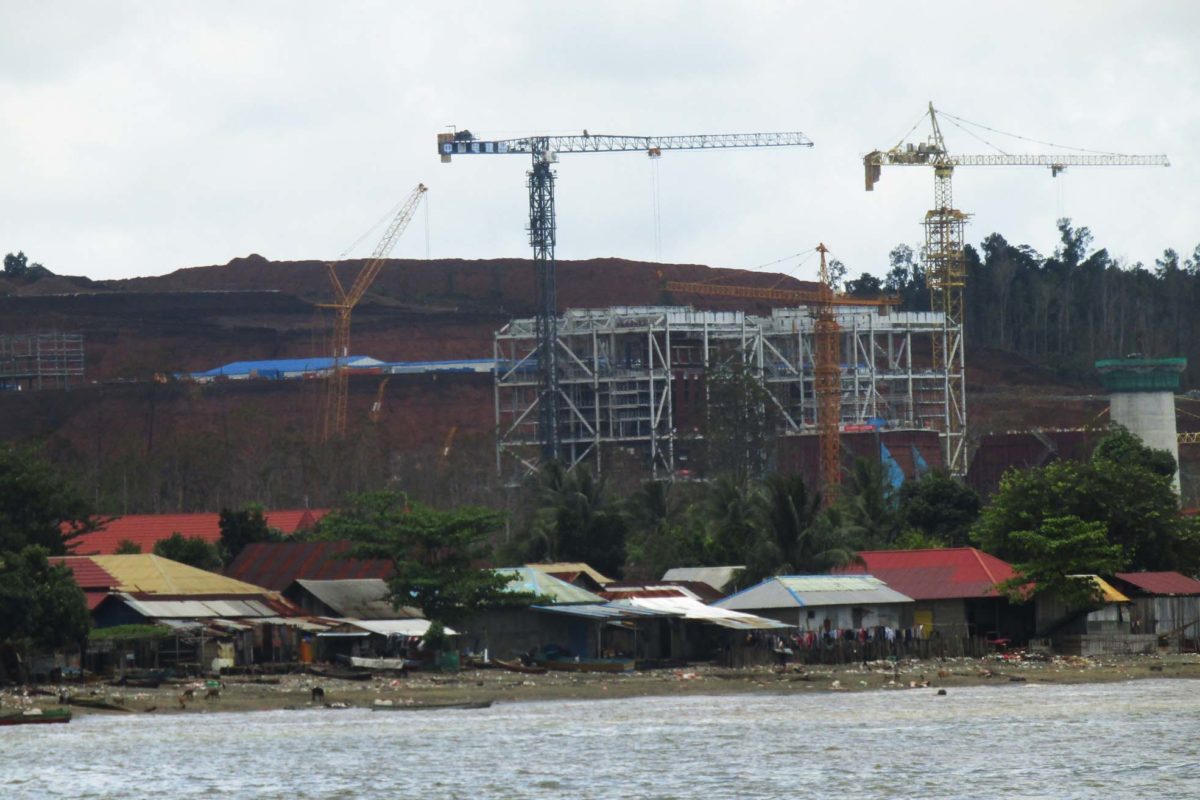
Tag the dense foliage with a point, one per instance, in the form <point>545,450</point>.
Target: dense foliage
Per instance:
<point>1123,492</point>
<point>1068,308</point>
<point>37,506</point>
<point>434,553</point>
<point>194,551</point>
<point>41,606</point>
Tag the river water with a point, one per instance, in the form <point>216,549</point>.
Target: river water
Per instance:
<point>1138,739</point>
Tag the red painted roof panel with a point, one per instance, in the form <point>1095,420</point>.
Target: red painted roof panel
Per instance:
<point>1171,583</point>
<point>88,574</point>
<point>939,574</point>
<point>145,530</point>
<point>276,565</point>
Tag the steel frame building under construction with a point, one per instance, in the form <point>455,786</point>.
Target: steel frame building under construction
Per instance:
<point>47,360</point>
<point>635,378</point>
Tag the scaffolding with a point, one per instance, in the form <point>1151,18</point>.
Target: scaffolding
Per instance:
<point>35,361</point>
<point>635,377</point>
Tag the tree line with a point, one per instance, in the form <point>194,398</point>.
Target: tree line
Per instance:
<point>1069,308</point>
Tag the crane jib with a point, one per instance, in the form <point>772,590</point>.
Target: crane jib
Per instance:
<point>469,147</point>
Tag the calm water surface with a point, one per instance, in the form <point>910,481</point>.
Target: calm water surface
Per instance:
<point>1132,740</point>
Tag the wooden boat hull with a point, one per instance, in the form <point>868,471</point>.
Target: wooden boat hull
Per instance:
<point>517,666</point>
<point>49,716</point>
<point>431,706</point>
<point>583,665</point>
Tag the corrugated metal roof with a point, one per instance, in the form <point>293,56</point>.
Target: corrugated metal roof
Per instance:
<point>716,577</point>
<point>285,365</point>
<point>614,592</point>
<point>155,575</point>
<point>571,566</point>
<point>198,609</point>
<point>802,591</point>
<point>394,627</point>
<point>364,598</point>
<point>605,611</point>
<point>935,574</point>
<point>1108,593</point>
<point>145,530</point>
<point>530,580</point>
<point>87,573</point>
<point>1162,583</point>
<point>277,565</point>
<point>693,609</point>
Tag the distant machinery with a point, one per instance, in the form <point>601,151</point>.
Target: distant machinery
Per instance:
<point>946,265</point>
<point>333,421</point>
<point>377,406</point>
<point>544,151</point>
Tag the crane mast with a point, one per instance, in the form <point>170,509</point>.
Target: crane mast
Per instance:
<point>333,422</point>
<point>944,259</point>
<point>544,151</point>
<point>827,374</point>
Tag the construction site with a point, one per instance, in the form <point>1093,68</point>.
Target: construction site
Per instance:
<point>607,364</point>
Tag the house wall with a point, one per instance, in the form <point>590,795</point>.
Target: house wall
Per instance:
<point>820,618</point>
<point>507,632</point>
<point>1164,615</point>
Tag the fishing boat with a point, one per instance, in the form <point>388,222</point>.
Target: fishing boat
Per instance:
<point>517,666</point>
<point>358,662</point>
<point>339,674</point>
<point>37,716</point>
<point>588,664</point>
<point>385,705</point>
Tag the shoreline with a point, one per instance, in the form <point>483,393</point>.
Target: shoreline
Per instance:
<point>294,692</point>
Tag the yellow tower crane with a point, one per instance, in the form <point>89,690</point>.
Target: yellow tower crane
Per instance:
<point>946,269</point>
<point>334,413</point>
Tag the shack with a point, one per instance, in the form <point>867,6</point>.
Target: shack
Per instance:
<point>1102,626</point>
<point>824,604</point>
<point>1166,604</point>
<point>954,592</point>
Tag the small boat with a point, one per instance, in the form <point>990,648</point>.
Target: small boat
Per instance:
<point>98,703</point>
<point>387,706</point>
<point>339,674</point>
<point>37,716</point>
<point>517,666</point>
<point>359,662</point>
<point>588,664</point>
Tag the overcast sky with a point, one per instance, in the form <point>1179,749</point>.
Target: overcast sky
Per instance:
<point>138,138</point>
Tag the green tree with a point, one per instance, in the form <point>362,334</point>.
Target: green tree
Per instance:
<point>1059,551</point>
<point>800,539</point>
<point>662,531</point>
<point>576,520</point>
<point>868,506</point>
<point>41,606</point>
<point>938,508</point>
<point>191,550</point>
<point>127,547</point>
<point>242,527</point>
<point>1119,487</point>
<point>735,521</point>
<point>37,505</point>
<point>433,552</point>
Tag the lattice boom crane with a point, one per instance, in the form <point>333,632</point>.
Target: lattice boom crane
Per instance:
<point>944,239</point>
<point>334,414</point>
<point>544,151</point>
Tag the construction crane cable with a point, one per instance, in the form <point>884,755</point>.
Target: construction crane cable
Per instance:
<point>1027,138</point>
<point>374,227</point>
<point>976,136</point>
<point>915,125</point>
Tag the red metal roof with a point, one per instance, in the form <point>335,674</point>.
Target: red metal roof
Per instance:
<point>938,574</point>
<point>1161,582</point>
<point>87,573</point>
<point>147,529</point>
<point>94,599</point>
<point>276,565</point>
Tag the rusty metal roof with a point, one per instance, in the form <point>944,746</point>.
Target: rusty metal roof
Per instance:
<point>935,574</point>
<point>277,565</point>
<point>1162,583</point>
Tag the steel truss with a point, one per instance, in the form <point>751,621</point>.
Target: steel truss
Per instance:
<point>618,371</point>
<point>49,360</point>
